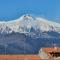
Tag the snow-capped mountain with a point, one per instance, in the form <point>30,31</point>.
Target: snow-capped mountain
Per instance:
<point>26,23</point>
<point>27,34</point>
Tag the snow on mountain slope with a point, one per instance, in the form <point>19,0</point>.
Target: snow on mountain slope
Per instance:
<point>26,22</point>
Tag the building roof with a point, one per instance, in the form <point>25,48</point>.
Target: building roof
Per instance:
<point>20,57</point>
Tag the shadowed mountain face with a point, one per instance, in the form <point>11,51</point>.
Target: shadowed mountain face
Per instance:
<point>20,43</point>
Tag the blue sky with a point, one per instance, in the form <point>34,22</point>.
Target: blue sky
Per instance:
<point>13,9</point>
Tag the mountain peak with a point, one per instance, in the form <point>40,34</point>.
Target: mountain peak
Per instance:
<point>26,16</point>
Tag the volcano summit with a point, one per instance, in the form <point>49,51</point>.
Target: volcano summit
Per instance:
<point>28,34</point>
